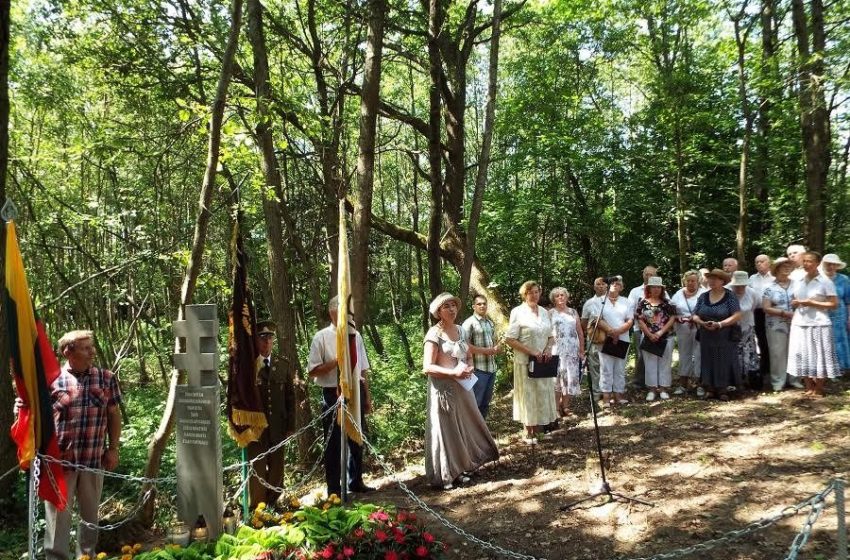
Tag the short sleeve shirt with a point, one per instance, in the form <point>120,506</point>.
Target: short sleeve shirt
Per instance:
<point>654,316</point>
<point>780,298</point>
<point>323,349</point>
<point>723,309</point>
<point>818,288</point>
<point>80,404</point>
<point>479,331</point>
<point>616,314</point>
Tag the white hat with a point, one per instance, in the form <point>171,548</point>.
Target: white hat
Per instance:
<point>740,278</point>
<point>438,301</point>
<point>655,281</point>
<point>832,258</point>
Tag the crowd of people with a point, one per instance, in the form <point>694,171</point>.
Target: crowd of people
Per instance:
<point>783,327</point>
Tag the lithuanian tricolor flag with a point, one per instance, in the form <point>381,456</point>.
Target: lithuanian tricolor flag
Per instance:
<point>35,368</point>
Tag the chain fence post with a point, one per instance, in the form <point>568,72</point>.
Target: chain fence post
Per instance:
<point>841,537</point>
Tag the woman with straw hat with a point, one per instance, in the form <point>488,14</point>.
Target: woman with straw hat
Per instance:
<point>457,440</point>
<point>830,265</point>
<point>716,313</point>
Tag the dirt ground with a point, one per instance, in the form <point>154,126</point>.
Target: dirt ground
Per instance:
<point>707,467</point>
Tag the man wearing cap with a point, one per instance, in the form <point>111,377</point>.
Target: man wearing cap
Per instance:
<point>322,367</point>
<point>760,280</point>
<point>279,406</point>
<point>479,332</point>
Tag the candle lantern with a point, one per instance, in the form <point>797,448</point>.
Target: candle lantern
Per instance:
<point>200,532</point>
<point>179,534</point>
<point>229,521</point>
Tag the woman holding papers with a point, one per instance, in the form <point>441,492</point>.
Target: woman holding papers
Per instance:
<point>457,440</point>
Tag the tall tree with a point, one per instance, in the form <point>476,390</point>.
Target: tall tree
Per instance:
<point>814,114</point>
<point>742,29</point>
<point>193,267</point>
<point>362,200</point>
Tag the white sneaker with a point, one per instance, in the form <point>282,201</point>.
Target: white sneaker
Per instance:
<point>731,389</point>
<point>679,390</point>
<point>700,392</point>
<point>650,396</point>
<point>664,396</point>
<point>796,384</point>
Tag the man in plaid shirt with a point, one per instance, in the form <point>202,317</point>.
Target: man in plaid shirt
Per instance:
<point>479,332</point>
<point>85,409</point>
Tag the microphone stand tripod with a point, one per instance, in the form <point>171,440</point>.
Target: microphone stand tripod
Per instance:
<point>605,490</point>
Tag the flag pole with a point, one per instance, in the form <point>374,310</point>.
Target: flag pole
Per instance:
<point>245,482</point>
<point>343,452</point>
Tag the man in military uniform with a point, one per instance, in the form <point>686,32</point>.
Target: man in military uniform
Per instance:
<point>279,409</point>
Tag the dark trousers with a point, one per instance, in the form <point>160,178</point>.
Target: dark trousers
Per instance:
<point>764,353</point>
<point>639,377</point>
<point>332,449</point>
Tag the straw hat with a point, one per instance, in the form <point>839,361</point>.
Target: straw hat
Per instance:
<point>438,302</point>
<point>832,258</point>
<point>655,281</point>
<point>718,273</point>
<point>779,262</point>
<point>740,278</point>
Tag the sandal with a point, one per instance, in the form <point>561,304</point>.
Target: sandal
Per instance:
<point>724,397</point>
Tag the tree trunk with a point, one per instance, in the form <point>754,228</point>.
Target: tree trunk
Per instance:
<point>280,282</point>
<point>435,282</point>
<point>7,447</point>
<point>746,111</point>
<point>484,159</point>
<point>814,116</point>
<point>156,447</point>
<point>366,161</point>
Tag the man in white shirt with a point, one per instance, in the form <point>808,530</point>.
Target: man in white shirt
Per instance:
<point>758,282</point>
<point>794,252</point>
<point>588,310</point>
<point>322,367</point>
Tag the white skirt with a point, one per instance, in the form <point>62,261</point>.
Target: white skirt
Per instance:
<point>811,352</point>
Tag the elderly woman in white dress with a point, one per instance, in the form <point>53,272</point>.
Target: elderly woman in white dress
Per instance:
<point>569,346</point>
<point>685,301</point>
<point>457,440</point>
<point>748,301</point>
<point>530,334</point>
<point>811,348</point>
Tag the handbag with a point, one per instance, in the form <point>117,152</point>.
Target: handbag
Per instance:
<point>597,328</point>
<point>657,348</point>
<point>617,348</point>
<point>735,333</point>
<point>542,369</point>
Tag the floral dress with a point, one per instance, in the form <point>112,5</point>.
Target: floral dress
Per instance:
<point>565,331</point>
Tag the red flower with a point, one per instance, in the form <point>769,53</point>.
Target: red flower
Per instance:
<point>359,533</point>
<point>401,517</point>
<point>380,535</point>
<point>379,516</point>
<point>339,556</point>
<point>328,552</point>
<point>348,551</point>
<point>421,551</point>
<point>427,537</point>
<point>391,555</point>
<point>399,538</point>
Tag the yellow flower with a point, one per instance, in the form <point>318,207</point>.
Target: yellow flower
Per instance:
<point>261,506</point>
<point>294,502</point>
<point>326,506</point>
<point>335,499</point>
<point>101,555</point>
<point>126,549</point>
<point>127,557</point>
<point>287,516</point>
<point>85,557</point>
<point>257,524</point>
<point>137,547</point>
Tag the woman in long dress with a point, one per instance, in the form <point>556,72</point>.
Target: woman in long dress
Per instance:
<point>748,302</point>
<point>530,334</point>
<point>830,265</point>
<point>569,346</point>
<point>811,349</point>
<point>685,301</point>
<point>716,314</point>
<point>457,440</point>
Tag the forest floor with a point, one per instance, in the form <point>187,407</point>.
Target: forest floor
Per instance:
<point>708,467</point>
